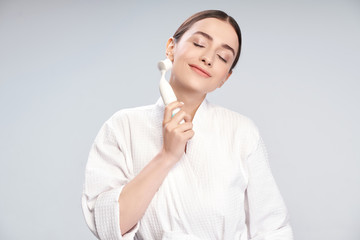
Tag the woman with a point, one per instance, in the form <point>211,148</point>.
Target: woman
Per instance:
<point>151,177</point>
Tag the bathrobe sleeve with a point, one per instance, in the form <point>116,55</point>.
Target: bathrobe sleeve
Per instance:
<point>266,214</point>
<point>107,172</point>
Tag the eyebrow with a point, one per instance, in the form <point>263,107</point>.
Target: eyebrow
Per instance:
<point>211,39</point>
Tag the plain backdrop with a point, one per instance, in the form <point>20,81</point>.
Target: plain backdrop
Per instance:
<point>67,66</point>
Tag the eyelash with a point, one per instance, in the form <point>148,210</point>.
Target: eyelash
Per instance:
<point>201,46</point>
<point>223,59</point>
<point>198,45</point>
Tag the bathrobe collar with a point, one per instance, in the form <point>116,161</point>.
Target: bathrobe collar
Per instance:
<point>199,115</point>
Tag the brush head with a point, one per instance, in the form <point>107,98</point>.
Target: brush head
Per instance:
<point>165,65</point>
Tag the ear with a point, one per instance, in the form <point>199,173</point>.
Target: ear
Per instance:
<point>170,45</point>
<point>223,81</point>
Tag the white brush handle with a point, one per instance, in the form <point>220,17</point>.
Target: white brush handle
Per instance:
<point>175,111</point>
<point>166,91</point>
<point>168,95</point>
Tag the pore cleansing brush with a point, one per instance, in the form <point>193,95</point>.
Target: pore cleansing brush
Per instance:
<point>167,93</point>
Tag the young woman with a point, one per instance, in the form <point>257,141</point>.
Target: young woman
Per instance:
<point>151,177</point>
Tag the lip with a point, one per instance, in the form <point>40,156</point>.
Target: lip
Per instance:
<point>199,70</point>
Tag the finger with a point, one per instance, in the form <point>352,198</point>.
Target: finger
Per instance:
<point>181,116</point>
<point>184,127</point>
<point>178,117</point>
<point>187,118</point>
<point>189,134</point>
<point>169,109</point>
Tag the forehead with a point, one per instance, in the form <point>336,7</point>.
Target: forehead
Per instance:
<point>221,31</point>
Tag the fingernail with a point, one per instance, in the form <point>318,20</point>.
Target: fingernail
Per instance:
<point>182,103</point>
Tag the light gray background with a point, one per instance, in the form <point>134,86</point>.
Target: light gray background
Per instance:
<point>67,66</point>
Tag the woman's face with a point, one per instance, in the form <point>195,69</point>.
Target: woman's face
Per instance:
<point>202,58</point>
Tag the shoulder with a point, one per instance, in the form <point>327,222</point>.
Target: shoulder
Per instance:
<point>241,128</point>
<point>232,118</point>
<point>127,119</point>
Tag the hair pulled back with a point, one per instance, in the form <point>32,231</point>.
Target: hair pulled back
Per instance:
<point>210,14</point>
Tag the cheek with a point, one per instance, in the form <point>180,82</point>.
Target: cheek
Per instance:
<point>184,51</point>
<point>223,74</point>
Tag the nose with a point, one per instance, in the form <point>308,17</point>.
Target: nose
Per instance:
<point>206,60</point>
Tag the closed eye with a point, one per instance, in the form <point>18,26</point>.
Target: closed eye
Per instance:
<point>198,45</point>
<point>222,59</point>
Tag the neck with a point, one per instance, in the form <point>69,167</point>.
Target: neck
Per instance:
<point>192,100</point>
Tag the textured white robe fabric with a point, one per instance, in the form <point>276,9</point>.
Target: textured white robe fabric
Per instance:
<point>222,188</point>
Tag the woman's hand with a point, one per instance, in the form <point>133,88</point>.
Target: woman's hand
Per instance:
<point>175,134</point>
<point>138,193</point>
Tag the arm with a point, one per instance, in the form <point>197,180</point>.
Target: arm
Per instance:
<point>267,216</point>
<point>112,204</point>
<point>137,194</point>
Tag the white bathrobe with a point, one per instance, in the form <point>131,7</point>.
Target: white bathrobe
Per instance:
<point>222,187</point>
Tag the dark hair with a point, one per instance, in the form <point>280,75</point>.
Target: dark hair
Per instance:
<point>210,14</point>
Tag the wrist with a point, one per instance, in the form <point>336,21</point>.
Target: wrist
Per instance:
<point>168,158</point>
